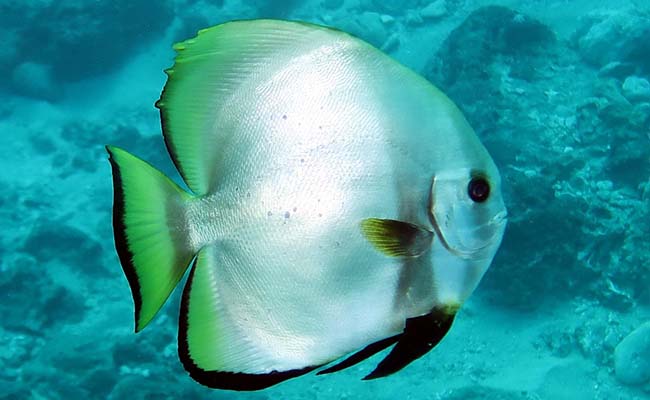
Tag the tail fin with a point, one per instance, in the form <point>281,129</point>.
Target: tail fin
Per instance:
<point>150,233</point>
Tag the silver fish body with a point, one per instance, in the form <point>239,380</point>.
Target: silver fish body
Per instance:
<point>301,133</point>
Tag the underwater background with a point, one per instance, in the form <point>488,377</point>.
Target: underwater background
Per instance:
<point>557,90</point>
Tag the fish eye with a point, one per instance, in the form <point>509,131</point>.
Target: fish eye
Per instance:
<point>478,189</point>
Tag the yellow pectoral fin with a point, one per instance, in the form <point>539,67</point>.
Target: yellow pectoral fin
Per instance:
<point>396,238</point>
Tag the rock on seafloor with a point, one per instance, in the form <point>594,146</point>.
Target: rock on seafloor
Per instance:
<point>369,26</point>
<point>615,36</point>
<point>487,34</point>
<point>632,357</point>
<point>636,88</point>
<point>435,9</point>
<point>75,39</point>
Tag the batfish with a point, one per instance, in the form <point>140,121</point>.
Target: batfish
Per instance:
<point>337,204</point>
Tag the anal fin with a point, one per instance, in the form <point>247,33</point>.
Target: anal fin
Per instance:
<point>216,349</point>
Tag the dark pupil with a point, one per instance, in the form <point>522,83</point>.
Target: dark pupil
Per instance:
<point>478,189</point>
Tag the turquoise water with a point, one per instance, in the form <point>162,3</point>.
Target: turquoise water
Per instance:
<point>557,90</point>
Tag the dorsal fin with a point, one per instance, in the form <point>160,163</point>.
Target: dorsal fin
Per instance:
<point>209,69</point>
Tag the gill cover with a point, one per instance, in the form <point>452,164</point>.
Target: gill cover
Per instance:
<point>466,227</point>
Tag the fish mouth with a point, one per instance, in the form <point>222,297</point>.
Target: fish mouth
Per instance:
<point>499,219</point>
<point>495,224</point>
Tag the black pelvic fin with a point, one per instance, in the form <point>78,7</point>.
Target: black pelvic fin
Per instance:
<point>361,355</point>
<point>420,335</point>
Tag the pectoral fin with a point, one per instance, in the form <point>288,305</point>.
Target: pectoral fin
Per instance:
<point>420,335</point>
<point>396,238</point>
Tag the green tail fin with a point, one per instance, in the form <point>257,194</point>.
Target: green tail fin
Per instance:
<point>150,233</point>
